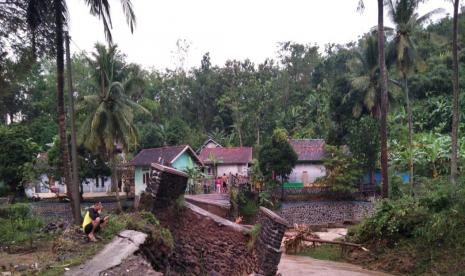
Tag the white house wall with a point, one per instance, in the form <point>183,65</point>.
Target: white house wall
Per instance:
<point>240,169</point>
<point>89,185</point>
<point>313,171</point>
<point>211,145</point>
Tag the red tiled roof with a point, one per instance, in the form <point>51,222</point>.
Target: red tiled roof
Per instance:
<point>308,149</point>
<point>163,156</point>
<point>231,155</point>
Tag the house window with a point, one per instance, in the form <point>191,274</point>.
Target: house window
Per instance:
<point>146,177</point>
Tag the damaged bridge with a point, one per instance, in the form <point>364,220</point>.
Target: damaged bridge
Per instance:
<point>206,242</point>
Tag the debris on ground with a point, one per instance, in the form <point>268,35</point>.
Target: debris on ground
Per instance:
<point>295,243</point>
<point>53,227</point>
<point>133,265</point>
<point>69,242</point>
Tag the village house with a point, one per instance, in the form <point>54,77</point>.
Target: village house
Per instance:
<point>309,165</point>
<point>226,160</point>
<point>210,143</point>
<point>178,157</point>
<point>46,186</point>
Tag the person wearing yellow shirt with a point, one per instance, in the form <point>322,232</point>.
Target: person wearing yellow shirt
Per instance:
<point>93,222</point>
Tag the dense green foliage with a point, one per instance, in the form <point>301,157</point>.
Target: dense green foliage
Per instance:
<point>342,170</point>
<point>277,156</point>
<point>16,157</point>
<point>429,224</point>
<point>364,143</point>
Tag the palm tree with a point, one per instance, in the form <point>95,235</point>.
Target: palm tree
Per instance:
<point>383,94</point>
<point>110,123</point>
<point>384,100</point>
<point>365,82</point>
<point>37,13</point>
<point>455,103</point>
<point>407,22</point>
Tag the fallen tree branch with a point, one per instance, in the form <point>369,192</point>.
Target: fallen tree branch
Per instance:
<point>336,242</point>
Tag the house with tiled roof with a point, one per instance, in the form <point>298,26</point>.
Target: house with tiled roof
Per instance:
<point>226,160</point>
<point>309,165</point>
<point>178,157</point>
<point>210,143</point>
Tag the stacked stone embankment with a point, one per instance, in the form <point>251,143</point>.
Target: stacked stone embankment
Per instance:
<point>325,212</point>
<point>206,244</point>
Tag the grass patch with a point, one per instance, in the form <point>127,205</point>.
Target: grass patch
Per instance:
<point>58,268</point>
<point>18,227</point>
<point>325,252</point>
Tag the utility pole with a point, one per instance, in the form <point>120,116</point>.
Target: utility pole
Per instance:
<point>74,169</point>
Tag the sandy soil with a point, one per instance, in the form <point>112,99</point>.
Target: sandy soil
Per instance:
<point>332,234</point>
<point>292,265</point>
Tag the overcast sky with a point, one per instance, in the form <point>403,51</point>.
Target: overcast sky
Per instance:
<point>236,29</point>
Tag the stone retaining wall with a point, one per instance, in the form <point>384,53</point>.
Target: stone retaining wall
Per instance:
<point>325,212</point>
<point>206,244</point>
<point>268,243</point>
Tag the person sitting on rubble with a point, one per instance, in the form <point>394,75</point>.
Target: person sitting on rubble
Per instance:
<point>93,221</point>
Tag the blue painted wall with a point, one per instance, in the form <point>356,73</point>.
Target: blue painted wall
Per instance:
<point>404,175</point>
<point>182,163</point>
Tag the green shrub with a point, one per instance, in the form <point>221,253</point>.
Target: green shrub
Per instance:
<point>149,218</point>
<point>16,211</point>
<point>265,200</point>
<point>254,236</point>
<point>434,218</point>
<point>343,171</point>
<point>18,225</point>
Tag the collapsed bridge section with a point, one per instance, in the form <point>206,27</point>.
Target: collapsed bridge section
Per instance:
<point>206,243</point>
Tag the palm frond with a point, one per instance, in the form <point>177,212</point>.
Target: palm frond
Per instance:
<point>101,9</point>
<point>426,17</point>
<point>129,13</point>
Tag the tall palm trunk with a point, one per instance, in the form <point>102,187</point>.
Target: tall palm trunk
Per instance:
<point>384,100</point>
<point>77,196</point>
<point>114,179</point>
<point>72,191</point>
<point>410,133</point>
<point>455,102</point>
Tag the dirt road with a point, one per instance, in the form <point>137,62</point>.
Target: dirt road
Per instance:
<point>292,265</point>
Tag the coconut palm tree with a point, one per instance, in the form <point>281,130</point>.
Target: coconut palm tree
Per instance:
<point>365,78</point>
<point>407,24</point>
<point>384,99</point>
<point>37,15</point>
<point>455,101</point>
<point>109,127</point>
<point>383,94</point>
